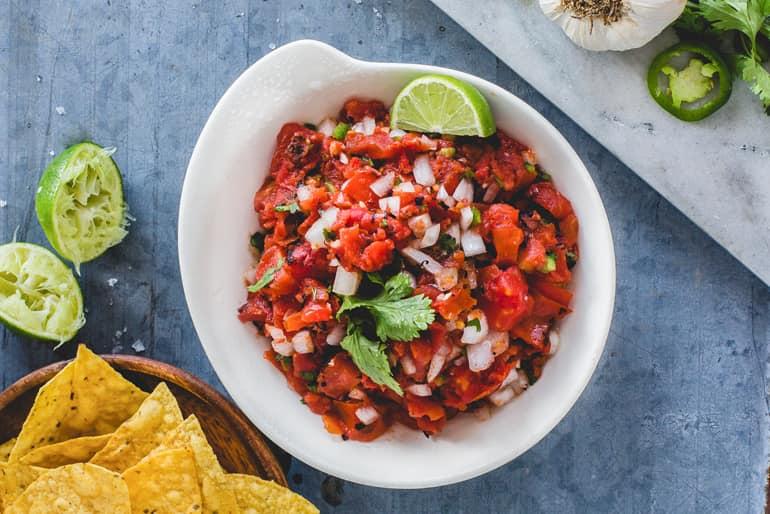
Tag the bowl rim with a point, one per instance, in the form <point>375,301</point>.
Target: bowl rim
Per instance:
<point>167,373</point>
<point>602,332</point>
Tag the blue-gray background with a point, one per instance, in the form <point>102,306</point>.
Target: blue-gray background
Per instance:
<point>676,416</point>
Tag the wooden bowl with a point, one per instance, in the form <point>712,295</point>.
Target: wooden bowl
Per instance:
<point>237,443</point>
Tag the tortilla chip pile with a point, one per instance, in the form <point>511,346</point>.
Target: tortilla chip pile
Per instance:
<point>95,443</point>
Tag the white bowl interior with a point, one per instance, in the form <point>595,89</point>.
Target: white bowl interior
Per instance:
<point>306,81</point>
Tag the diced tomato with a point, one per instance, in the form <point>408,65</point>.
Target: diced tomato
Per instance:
<point>358,188</point>
<point>419,406</point>
<point>569,230</point>
<point>500,222</point>
<point>506,299</point>
<point>546,196</point>
<point>547,308</point>
<point>532,331</point>
<point>349,246</point>
<point>353,428</point>
<point>312,312</point>
<point>257,308</point>
<point>339,377</point>
<point>317,403</point>
<point>376,146</point>
<point>303,363</point>
<point>305,261</point>
<point>464,386</point>
<point>552,291</point>
<point>356,110</point>
<point>458,300</point>
<point>376,255</point>
<point>562,274</point>
<point>532,257</point>
<point>422,353</point>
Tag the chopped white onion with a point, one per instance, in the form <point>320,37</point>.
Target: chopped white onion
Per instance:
<point>520,385</point>
<point>367,415</point>
<point>422,259</point>
<point>405,187</point>
<point>407,364</point>
<point>368,125</point>
<point>510,378</point>
<point>397,133</point>
<point>315,234</point>
<point>500,341</point>
<point>466,217</point>
<point>446,278</point>
<point>304,193</point>
<point>428,143</point>
<point>480,356</point>
<point>470,274</point>
<point>420,389</point>
<point>482,413</point>
<point>491,192</point>
<point>326,127</point>
<point>419,224</point>
<point>383,185</point>
<point>463,191</point>
<point>473,335</point>
<point>437,362</point>
<point>346,282</point>
<point>334,262</point>
<point>283,347</point>
<point>250,276</point>
<point>358,127</point>
<point>502,396</point>
<point>454,232</point>
<point>445,197</point>
<point>336,335</point>
<point>302,342</point>
<point>554,339</point>
<point>472,243</point>
<point>344,160</point>
<point>391,204</point>
<point>357,394</point>
<point>423,172</point>
<point>274,333</point>
<point>431,236</point>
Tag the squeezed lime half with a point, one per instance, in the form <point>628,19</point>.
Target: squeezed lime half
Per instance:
<point>39,296</point>
<point>443,105</point>
<point>80,203</point>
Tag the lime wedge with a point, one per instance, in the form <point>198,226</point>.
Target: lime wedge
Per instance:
<point>80,203</point>
<point>39,296</point>
<point>444,105</point>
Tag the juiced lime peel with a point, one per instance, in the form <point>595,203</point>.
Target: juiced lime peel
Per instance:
<point>39,296</point>
<point>442,105</point>
<point>80,203</point>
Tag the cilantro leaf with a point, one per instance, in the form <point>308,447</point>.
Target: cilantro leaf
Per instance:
<point>447,243</point>
<point>756,76</point>
<point>266,278</point>
<point>369,356</point>
<point>746,16</point>
<point>397,315</point>
<point>475,323</point>
<point>291,208</point>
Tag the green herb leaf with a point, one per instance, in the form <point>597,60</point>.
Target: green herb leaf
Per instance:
<point>530,168</point>
<point>550,263</point>
<point>291,208</point>
<point>266,278</point>
<point>258,240</point>
<point>447,243</point>
<point>469,174</point>
<point>397,315</point>
<point>476,216</point>
<point>756,76</point>
<point>746,16</point>
<point>329,235</point>
<point>369,356</point>
<point>340,130</point>
<point>449,152</point>
<point>475,323</point>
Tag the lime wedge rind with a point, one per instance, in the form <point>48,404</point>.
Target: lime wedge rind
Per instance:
<point>444,105</point>
<point>39,295</point>
<point>80,203</point>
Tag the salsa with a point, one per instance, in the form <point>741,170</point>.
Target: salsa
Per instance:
<point>406,277</point>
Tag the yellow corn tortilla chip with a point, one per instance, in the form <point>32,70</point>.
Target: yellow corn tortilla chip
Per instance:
<point>14,479</point>
<point>5,449</point>
<point>142,432</point>
<point>87,397</point>
<point>215,489</point>
<point>77,489</point>
<point>257,496</point>
<point>71,451</point>
<point>167,482</point>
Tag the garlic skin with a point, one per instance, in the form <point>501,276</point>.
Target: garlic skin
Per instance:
<point>640,21</point>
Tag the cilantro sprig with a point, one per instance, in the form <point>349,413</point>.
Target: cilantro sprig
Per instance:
<point>266,278</point>
<point>395,314</point>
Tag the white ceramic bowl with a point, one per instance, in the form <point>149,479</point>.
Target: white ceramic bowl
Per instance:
<point>306,81</point>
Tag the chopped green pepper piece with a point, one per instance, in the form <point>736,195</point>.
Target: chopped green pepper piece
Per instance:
<point>530,168</point>
<point>449,152</point>
<point>550,263</point>
<point>692,83</point>
<point>340,130</point>
<point>291,208</point>
<point>476,216</point>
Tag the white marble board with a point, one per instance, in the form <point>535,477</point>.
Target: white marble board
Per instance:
<point>716,171</point>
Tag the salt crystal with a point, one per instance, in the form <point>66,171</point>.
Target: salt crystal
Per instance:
<point>38,78</point>
<point>138,346</point>
<point>60,110</point>
<point>3,204</point>
<point>118,334</point>
<point>117,348</point>
<point>51,153</point>
<point>112,281</point>
<point>271,46</point>
<point>240,15</point>
<point>376,12</point>
<point>359,2</point>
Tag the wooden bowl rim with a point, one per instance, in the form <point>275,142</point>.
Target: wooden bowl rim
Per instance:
<point>174,375</point>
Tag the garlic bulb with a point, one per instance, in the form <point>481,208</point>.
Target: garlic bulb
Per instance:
<point>612,24</point>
